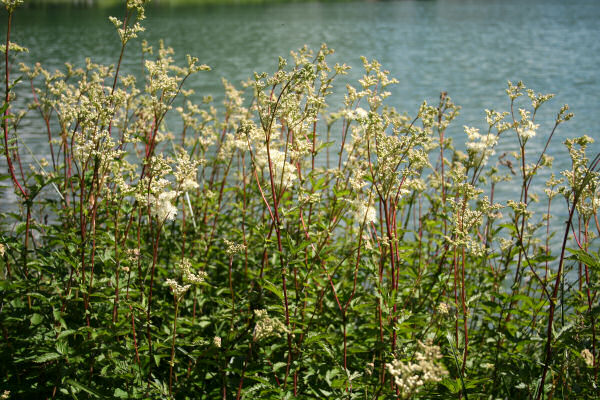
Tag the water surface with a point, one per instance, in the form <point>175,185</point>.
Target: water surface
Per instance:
<point>467,48</point>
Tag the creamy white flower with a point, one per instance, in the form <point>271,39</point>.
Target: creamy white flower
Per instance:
<point>186,172</point>
<point>188,276</point>
<point>162,206</point>
<point>364,212</point>
<point>189,184</point>
<point>443,309</point>
<point>11,4</point>
<point>528,130</point>
<point>267,326</point>
<point>588,357</point>
<point>234,248</point>
<point>360,114</point>
<point>177,289</point>
<point>279,165</point>
<point>480,147</point>
<point>426,368</point>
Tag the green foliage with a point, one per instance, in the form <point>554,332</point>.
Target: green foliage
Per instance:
<point>249,255</point>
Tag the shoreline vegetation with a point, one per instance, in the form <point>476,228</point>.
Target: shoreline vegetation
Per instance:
<point>224,260</point>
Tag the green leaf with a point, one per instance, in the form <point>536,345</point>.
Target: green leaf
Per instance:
<point>46,357</point>
<point>120,393</point>
<point>36,319</point>
<point>585,258</point>
<point>66,333</point>
<point>83,387</point>
<point>453,385</point>
<point>273,289</point>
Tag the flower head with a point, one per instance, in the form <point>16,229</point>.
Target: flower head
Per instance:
<point>234,248</point>
<point>10,5</point>
<point>588,357</point>
<point>411,376</point>
<point>266,326</point>
<point>443,309</point>
<point>480,147</point>
<point>527,130</point>
<point>177,289</point>
<point>188,276</point>
<point>364,212</point>
<point>283,171</point>
<point>186,172</point>
<point>162,206</point>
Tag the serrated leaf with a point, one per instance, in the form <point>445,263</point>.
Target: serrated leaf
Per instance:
<point>585,258</point>
<point>273,289</point>
<point>46,357</point>
<point>65,333</point>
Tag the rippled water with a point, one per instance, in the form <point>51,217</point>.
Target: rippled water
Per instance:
<point>467,48</point>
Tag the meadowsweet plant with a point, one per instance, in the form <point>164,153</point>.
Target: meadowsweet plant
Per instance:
<point>281,244</point>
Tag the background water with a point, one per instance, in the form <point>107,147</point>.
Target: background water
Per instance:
<point>469,48</point>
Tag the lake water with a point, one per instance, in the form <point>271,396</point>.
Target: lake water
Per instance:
<point>467,48</point>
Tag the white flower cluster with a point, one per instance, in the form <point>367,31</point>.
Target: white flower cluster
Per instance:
<point>98,144</point>
<point>217,341</point>
<point>443,309</point>
<point>537,99</point>
<point>13,48</point>
<point>234,248</point>
<point>588,357</point>
<point>160,82</point>
<point>309,198</point>
<point>417,185</point>
<point>266,326</point>
<point>186,172</point>
<point>505,244</point>
<point>178,290</point>
<point>188,276</point>
<point>495,118</point>
<point>480,147</point>
<point>411,376</point>
<point>133,255</point>
<point>301,147</point>
<point>525,127</point>
<point>364,212</point>
<point>466,221</point>
<point>232,144</point>
<point>161,201</point>
<point>2,250</point>
<point>10,5</point>
<point>527,130</point>
<point>126,33</point>
<point>356,181</point>
<point>359,114</point>
<point>519,208</point>
<point>283,172</point>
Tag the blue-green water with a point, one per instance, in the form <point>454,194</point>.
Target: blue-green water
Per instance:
<point>467,48</point>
